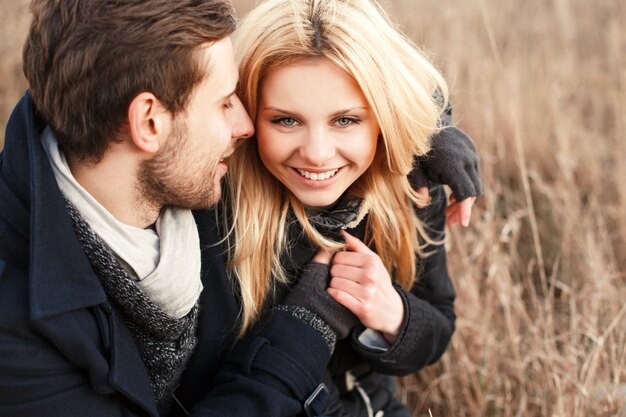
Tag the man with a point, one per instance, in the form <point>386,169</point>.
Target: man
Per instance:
<point>108,307</point>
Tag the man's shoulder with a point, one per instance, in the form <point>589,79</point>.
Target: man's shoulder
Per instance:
<point>14,274</point>
<point>14,291</point>
<point>14,248</point>
<point>3,229</point>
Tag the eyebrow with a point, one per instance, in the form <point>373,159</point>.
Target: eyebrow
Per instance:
<point>234,90</point>
<point>349,109</point>
<point>276,109</point>
<point>337,113</point>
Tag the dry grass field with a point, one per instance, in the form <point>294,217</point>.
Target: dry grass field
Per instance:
<point>541,272</point>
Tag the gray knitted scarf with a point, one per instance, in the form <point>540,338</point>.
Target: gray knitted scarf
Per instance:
<point>165,343</point>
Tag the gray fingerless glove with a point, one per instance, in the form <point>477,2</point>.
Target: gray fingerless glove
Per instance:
<point>310,293</point>
<point>453,160</point>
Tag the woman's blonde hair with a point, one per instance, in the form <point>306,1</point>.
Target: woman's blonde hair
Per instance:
<point>398,82</point>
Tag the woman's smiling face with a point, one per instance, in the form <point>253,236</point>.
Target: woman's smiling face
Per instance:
<point>316,132</point>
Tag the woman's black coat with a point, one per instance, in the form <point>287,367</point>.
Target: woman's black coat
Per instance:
<point>427,328</point>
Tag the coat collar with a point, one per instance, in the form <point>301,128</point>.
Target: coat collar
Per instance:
<point>348,214</point>
<point>61,278</point>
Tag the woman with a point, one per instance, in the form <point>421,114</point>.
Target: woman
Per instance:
<point>343,104</point>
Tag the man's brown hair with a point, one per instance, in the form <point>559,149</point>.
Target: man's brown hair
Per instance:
<point>85,60</point>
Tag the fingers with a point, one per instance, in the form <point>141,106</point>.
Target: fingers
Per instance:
<point>356,290</point>
<point>350,259</point>
<point>352,271</point>
<point>345,299</point>
<point>358,268</point>
<point>354,244</point>
<point>465,210</point>
<point>378,307</point>
<point>452,214</point>
<point>352,295</point>
<point>459,212</point>
<point>452,211</point>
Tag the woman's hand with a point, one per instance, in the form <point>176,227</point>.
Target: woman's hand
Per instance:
<point>310,292</point>
<point>361,283</point>
<point>457,212</point>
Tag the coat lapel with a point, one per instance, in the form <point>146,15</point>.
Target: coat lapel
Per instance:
<point>67,301</point>
<point>128,373</point>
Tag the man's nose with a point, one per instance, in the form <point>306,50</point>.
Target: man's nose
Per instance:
<point>242,127</point>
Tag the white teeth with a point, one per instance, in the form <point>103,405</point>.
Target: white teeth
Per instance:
<point>317,176</point>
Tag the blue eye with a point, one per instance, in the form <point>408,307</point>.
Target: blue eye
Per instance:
<point>285,121</point>
<point>346,121</point>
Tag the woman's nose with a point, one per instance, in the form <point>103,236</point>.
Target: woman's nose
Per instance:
<point>318,148</point>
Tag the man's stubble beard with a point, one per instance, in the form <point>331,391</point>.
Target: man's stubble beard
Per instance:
<point>175,178</point>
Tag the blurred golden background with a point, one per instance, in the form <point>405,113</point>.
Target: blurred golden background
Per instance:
<point>541,272</point>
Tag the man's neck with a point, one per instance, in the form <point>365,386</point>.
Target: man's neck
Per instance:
<point>113,183</point>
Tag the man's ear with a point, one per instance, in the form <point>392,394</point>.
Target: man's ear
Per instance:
<point>149,122</point>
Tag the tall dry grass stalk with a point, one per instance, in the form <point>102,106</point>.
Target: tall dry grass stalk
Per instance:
<point>14,21</point>
<point>541,272</point>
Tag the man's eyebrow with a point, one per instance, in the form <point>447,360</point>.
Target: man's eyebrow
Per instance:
<point>234,90</point>
<point>228,95</point>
